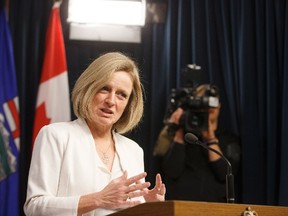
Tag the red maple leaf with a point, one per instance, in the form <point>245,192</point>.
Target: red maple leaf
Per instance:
<point>41,120</point>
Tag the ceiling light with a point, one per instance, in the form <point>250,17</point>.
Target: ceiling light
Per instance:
<point>119,12</point>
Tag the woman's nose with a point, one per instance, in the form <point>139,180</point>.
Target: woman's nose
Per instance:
<point>110,99</point>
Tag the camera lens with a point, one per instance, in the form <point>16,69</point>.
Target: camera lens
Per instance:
<point>195,120</point>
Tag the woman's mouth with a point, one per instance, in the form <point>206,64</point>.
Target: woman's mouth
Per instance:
<point>107,111</point>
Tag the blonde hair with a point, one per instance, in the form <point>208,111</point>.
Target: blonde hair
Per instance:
<point>95,76</point>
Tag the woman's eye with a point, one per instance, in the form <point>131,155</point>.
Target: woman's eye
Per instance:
<point>105,88</point>
<point>123,95</point>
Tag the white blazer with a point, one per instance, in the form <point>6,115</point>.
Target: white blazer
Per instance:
<point>65,165</point>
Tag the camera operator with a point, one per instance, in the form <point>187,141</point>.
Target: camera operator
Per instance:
<point>190,171</point>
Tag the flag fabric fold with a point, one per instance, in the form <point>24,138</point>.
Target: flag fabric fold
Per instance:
<point>53,101</point>
<point>9,124</point>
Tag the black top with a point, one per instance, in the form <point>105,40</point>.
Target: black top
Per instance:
<point>189,175</point>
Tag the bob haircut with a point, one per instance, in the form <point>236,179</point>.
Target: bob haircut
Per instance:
<point>96,75</point>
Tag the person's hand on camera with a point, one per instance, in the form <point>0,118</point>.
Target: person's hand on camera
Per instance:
<point>175,119</point>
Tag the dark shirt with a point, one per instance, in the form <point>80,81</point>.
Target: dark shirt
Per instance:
<point>189,175</point>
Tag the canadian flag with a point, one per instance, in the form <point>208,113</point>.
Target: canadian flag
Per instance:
<point>53,101</point>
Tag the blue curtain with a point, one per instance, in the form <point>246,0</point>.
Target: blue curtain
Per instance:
<point>242,48</point>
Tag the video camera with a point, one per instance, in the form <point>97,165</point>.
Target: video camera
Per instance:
<point>195,116</point>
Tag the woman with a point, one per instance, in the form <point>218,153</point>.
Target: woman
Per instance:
<point>86,167</point>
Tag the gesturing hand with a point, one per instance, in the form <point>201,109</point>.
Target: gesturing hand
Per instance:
<point>158,192</point>
<point>118,192</point>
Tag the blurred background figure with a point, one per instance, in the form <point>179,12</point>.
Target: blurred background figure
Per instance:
<point>190,171</point>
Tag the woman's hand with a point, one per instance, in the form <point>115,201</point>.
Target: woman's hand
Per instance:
<point>158,192</point>
<point>117,194</point>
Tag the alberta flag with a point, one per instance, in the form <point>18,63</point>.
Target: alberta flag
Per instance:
<point>9,124</point>
<point>53,103</point>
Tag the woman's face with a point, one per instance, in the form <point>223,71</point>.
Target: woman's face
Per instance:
<point>110,101</point>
